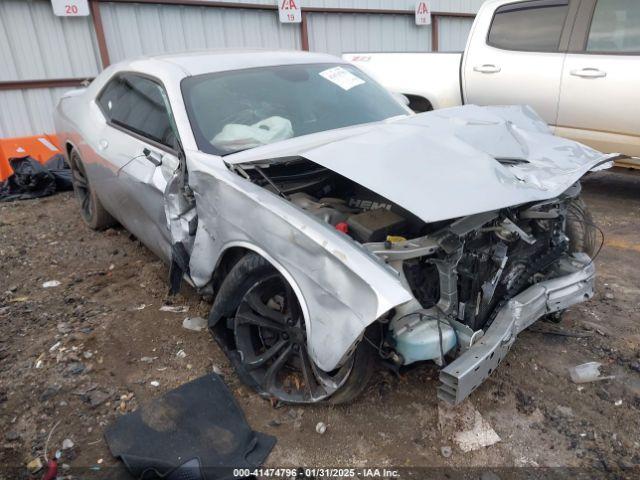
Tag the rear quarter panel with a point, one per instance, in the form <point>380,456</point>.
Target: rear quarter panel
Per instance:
<point>80,125</point>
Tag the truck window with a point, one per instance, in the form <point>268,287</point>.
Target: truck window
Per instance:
<point>615,27</point>
<point>529,26</point>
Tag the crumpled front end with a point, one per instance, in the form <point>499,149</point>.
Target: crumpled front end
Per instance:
<point>574,284</point>
<point>482,279</point>
<point>449,229</point>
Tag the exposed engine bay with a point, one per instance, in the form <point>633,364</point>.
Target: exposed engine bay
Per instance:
<point>461,272</point>
<point>466,267</point>
<point>355,210</point>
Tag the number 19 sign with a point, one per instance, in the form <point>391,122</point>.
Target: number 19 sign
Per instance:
<point>289,11</point>
<point>423,14</point>
<point>70,8</point>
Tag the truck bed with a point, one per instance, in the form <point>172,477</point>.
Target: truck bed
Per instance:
<point>431,76</point>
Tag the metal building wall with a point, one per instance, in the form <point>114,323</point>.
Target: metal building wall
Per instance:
<point>458,6</point>
<point>453,33</point>
<point>36,45</point>
<point>338,33</point>
<point>135,29</point>
<point>29,111</point>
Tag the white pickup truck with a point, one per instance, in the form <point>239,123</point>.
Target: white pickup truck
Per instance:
<point>576,62</point>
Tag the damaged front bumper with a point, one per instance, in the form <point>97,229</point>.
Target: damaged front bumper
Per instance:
<point>573,284</point>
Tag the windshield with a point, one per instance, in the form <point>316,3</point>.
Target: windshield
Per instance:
<point>242,109</point>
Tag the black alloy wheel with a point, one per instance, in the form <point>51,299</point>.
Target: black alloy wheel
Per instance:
<point>271,339</point>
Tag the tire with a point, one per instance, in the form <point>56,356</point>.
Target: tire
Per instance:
<point>580,228</point>
<point>265,339</point>
<point>91,210</point>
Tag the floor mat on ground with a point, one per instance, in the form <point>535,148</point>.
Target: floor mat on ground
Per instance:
<point>196,431</point>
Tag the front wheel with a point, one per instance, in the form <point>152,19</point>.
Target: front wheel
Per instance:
<point>270,337</point>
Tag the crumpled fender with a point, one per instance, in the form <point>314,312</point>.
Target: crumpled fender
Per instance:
<point>341,287</point>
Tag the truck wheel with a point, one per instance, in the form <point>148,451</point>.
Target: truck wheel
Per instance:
<point>269,334</point>
<point>91,210</point>
<point>580,228</point>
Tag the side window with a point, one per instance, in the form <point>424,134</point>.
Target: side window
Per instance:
<point>137,104</point>
<point>529,26</point>
<point>615,27</point>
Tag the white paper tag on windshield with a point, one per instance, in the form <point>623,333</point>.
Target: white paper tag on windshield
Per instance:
<point>341,77</point>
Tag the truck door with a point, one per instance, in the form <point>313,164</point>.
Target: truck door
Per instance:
<point>601,78</point>
<point>520,59</point>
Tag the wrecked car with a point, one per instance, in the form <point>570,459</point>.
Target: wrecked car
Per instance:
<point>330,225</point>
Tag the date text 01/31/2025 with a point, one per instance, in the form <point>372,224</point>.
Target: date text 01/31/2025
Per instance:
<point>317,473</point>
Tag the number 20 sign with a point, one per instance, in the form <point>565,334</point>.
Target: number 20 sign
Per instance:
<point>70,8</point>
<point>289,11</point>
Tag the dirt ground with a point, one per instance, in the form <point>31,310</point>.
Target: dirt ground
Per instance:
<point>84,352</point>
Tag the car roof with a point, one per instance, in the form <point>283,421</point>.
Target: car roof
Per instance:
<point>211,61</point>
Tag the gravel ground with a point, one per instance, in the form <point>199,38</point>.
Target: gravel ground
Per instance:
<point>86,351</point>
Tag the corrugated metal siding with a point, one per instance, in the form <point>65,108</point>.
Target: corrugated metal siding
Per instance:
<point>458,6</point>
<point>35,44</point>
<point>28,112</point>
<point>337,33</point>
<point>135,29</point>
<point>453,33</point>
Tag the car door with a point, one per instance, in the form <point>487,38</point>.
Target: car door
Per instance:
<point>140,139</point>
<point>601,78</point>
<point>520,60</point>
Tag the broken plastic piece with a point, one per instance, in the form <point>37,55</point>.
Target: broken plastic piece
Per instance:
<point>174,309</point>
<point>197,324</point>
<point>587,372</point>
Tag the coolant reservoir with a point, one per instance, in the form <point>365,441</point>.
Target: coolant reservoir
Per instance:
<point>417,337</point>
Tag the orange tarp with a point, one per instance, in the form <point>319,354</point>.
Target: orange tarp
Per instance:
<point>40,147</point>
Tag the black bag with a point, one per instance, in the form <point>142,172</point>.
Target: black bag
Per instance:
<point>30,179</point>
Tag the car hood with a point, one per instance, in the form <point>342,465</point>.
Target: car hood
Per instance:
<point>447,163</point>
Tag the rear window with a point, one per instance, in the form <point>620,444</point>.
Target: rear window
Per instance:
<point>615,27</point>
<point>529,26</point>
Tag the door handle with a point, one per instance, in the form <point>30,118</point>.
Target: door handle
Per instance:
<point>588,73</point>
<point>486,68</point>
<point>153,157</point>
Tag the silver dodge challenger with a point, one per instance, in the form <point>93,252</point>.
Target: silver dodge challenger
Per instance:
<point>330,225</point>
